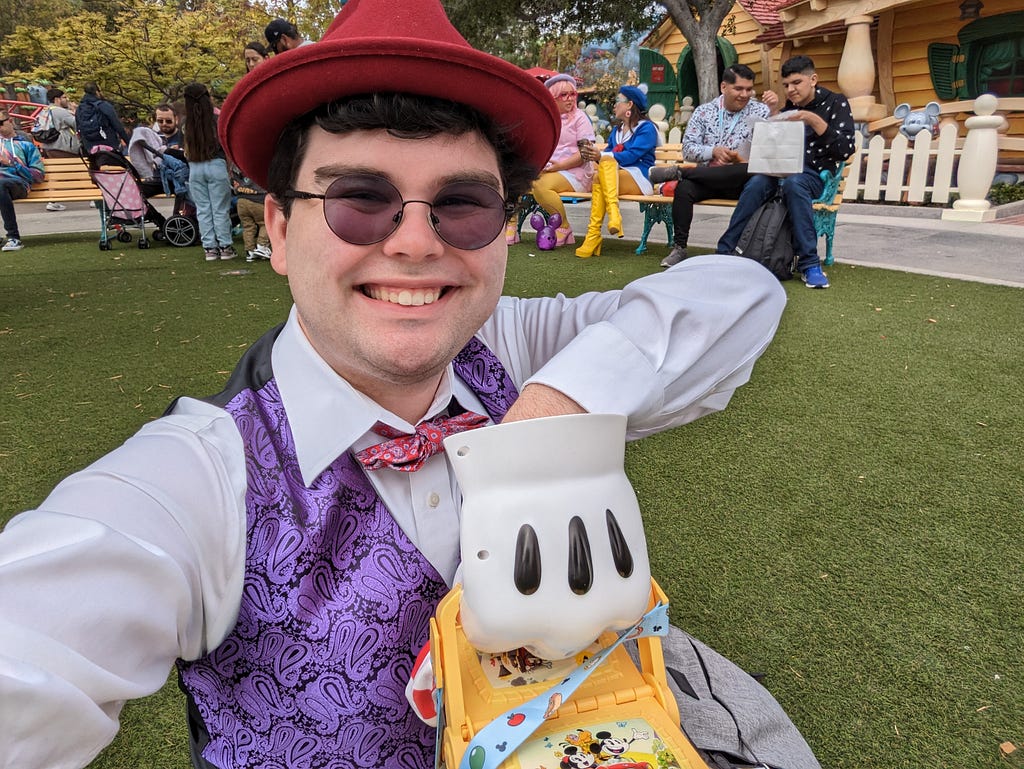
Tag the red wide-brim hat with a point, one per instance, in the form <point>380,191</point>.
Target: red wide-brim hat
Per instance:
<point>373,46</point>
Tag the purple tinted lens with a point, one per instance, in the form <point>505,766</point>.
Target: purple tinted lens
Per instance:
<point>366,209</point>
<point>468,215</point>
<point>362,209</point>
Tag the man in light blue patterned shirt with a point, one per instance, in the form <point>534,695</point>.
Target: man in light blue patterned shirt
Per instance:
<point>717,139</point>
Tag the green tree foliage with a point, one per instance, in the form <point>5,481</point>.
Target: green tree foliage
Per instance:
<point>699,21</point>
<point>41,13</point>
<point>142,52</point>
<point>141,55</point>
<point>518,30</point>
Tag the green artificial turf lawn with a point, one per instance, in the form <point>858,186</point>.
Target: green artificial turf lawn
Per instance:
<point>850,526</point>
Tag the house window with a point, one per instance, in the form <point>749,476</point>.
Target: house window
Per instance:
<point>1001,66</point>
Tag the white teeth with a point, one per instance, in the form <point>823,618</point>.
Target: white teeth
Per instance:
<point>405,297</point>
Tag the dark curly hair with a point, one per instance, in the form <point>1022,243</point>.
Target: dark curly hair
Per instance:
<point>406,116</point>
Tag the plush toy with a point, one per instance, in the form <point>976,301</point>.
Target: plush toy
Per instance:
<point>546,237</point>
<point>916,121</point>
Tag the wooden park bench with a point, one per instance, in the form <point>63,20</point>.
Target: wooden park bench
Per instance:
<point>67,180</point>
<point>658,208</point>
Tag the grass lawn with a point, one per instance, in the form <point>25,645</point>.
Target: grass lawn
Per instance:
<point>850,526</point>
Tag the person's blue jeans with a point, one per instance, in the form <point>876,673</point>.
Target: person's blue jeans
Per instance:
<point>210,189</point>
<point>10,191</point>
<point>799,193</point>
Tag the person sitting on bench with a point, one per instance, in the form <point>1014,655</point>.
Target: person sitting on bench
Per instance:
<point>828,141</point>
<point>717,139</point>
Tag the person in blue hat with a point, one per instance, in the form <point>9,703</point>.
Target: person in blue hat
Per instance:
<point>621,166</point>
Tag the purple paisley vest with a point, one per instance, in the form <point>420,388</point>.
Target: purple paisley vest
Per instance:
<point>335,604</point>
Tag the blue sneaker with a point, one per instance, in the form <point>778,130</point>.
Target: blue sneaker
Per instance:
<point>813,277</point>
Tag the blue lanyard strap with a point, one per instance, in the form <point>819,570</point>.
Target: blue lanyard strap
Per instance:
<point>499,740</point>
<point>722,132</point>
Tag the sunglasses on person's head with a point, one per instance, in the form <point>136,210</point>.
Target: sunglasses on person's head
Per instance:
<point>363,209</point>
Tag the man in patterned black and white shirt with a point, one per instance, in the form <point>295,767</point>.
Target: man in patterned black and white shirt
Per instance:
<point>828,141</point>
<point>717,139</point>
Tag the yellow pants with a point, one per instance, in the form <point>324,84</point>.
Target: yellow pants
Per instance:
<point>546,192</point>
<point>627,184</point>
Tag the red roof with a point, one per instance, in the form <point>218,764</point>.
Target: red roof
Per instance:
<point>766,12</point>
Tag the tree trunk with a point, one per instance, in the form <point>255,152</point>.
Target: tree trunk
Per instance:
<point>701,32</point>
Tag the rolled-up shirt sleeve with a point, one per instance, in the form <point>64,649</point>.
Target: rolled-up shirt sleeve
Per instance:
<point>665,350</point>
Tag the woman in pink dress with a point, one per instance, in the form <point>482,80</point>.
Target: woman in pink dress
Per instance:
<point>565,171</point>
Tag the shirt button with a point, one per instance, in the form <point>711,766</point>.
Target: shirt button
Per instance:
<point>434,499</point>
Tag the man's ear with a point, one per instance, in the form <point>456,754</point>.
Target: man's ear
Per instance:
<point>276,222</point>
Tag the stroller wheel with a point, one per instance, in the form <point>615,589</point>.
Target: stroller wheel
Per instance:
<point>124,236</point>
<point>143,243</point>
<point>180,231</point>
<point>158,235</point>
<point>104,245</point>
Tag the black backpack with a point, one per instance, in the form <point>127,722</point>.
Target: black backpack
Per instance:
<point>768,239</point>
<point>89,122</point>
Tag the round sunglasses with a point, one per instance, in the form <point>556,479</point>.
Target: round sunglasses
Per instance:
<point>363,209</point>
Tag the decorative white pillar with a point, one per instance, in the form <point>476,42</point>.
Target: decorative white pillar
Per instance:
<point>977,163</point>
<point>856,73</point>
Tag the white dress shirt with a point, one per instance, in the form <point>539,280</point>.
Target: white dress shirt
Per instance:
<point>138,559</point>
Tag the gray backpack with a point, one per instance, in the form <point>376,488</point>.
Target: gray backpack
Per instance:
<point>768,239</point>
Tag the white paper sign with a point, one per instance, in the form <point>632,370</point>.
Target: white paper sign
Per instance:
<point>777,148</point>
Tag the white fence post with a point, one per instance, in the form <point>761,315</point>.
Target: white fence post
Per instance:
<point>977,163</point>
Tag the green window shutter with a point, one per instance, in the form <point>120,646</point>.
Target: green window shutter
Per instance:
<point>946,67</point>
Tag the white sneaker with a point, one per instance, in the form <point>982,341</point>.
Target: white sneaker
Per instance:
<point>53,206</point>
<point>13,244</point>
<point>261,251</point>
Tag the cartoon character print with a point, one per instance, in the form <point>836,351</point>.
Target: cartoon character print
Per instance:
<point>577,757</point>
<point>518,661</point>
<point>554,702</point>
<point>603,750</point>
<point>609,746</point>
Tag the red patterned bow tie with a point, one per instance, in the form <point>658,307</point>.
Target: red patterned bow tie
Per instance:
<point>408,451</point>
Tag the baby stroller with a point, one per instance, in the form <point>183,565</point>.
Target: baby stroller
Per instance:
<point>123,204</point>
<point>182,227</point>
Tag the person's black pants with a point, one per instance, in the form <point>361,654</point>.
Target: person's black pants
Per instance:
<point>10,191</point>
<point>702,183</point>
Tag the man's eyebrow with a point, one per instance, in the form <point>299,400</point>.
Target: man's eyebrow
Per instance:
<point>326,174</point>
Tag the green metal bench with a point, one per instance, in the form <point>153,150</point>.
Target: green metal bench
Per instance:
<point>658,209</point>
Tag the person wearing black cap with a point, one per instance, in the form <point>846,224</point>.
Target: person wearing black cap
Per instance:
<point>621,166</point>
<point>287,540</point>
<point>283,36</point>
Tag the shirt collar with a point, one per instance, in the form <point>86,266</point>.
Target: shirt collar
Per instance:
<point>326,414</point>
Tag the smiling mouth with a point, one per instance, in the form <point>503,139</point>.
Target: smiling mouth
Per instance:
<point>406,297</point>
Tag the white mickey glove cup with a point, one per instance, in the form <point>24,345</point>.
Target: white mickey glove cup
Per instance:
<point>553,547</point>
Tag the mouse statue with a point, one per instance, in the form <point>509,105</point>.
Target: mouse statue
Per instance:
<point>916,121</point>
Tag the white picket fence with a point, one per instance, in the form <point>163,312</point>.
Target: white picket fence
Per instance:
<point>937,169</point>
<point>905,171</point>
